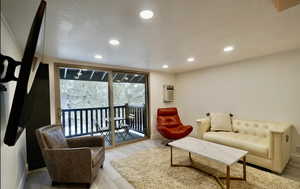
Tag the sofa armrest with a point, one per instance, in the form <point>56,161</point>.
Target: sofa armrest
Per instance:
<point>86,141</point>
<point>203,126</point>
<point>64,163</point>
<point>280,145</point>
<point>280,129</point>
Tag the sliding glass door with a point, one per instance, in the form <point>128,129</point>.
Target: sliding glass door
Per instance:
<point>84,101</point>
<point>130,106</point>
<point>96,102</point>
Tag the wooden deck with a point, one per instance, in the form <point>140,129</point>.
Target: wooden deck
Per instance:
<point>121,137</point>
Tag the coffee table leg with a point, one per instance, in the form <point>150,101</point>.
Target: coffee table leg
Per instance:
<point>171,156</point>
<point>244,168</point>
<point>228,178</point>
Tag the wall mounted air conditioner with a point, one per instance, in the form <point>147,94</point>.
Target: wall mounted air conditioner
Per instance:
<point>169,93</point>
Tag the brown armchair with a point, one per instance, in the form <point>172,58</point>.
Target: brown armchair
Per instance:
<point>74,160</point>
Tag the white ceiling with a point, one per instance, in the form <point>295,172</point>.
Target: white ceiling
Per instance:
<point>79,29</point>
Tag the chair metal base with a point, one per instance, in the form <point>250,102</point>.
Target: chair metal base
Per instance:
<point>166,142</point>
<point>228,178</point>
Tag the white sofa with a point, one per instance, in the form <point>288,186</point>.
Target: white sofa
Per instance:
<point>268,143</point>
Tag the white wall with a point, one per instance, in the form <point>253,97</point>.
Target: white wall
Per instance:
<point>13,159</point>
<point>266,88</point>
<point>156,82</point>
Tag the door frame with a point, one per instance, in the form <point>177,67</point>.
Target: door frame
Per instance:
<point>56,109</point>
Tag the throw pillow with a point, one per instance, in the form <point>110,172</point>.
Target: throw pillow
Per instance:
<point>220,122</point>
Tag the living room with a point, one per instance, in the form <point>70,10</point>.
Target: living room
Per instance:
<point>230,69</point>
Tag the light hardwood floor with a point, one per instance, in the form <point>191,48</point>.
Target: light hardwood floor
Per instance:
<point>109,178</point>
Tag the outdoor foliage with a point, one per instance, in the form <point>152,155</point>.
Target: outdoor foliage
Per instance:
<point>92,94</point>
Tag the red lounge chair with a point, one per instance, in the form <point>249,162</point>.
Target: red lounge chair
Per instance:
<point>169,124</point>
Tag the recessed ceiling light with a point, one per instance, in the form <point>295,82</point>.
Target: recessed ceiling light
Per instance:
<point>228,48</point>
<point>146,14</point>
<point>165,66</point>
<point>98,56</point>
<point>114,42</point>
<point>191,59</point>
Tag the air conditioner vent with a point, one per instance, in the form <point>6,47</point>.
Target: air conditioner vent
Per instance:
<point>169,93</point>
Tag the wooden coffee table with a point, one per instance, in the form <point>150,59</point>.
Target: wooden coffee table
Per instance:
<point>220,153</point>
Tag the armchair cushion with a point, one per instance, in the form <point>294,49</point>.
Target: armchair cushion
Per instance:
<point>220,122</point>
<point>86,141</point>
<point>55,138</point>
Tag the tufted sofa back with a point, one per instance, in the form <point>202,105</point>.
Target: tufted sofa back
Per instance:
<point>256,128</point>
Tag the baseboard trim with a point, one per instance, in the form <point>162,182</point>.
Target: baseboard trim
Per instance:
<point>37,170</point>
<point>23,180</point>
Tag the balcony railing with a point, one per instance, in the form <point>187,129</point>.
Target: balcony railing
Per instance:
<point>90,121</point>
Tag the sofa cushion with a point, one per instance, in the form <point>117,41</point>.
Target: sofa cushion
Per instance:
<point>220,122</point>
<point>55,138</point>
<point>255,145</point>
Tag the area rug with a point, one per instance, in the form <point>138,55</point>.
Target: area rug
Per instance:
<point>151,169</point>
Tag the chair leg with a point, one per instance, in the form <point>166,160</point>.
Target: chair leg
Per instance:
<point>101,166</point>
